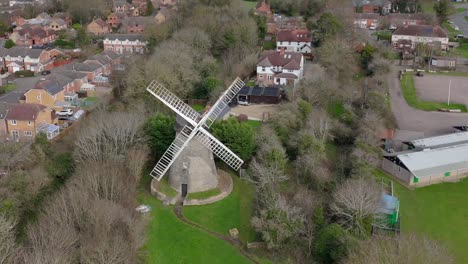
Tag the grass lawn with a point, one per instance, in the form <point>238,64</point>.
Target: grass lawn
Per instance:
<point>8,87</point>
<point>427,6</point>
<point>452,32</point>
<point>204,195</point>
<point>253,123</point>
<point>463,74</point>
<point>409,92</point>
<point>198,107</point>
<point>233,211</point>
<point>165,188</point>
<point>438,211</point>
<point>171,241</point>
<point>462,50</point>
<point>250,4</point>
<point>91,99</point>
<point>460,10</point>
<point>270,44</point>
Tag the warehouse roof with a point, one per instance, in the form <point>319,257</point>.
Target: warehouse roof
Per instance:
<point>428,162</point>
<point>444,140</point>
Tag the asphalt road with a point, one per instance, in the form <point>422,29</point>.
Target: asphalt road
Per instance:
<point>459,19</point>
<point>22,86</point>
<point>408,118</point>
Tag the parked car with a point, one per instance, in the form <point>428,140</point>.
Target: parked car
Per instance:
<point>244,103</point>
<point>78,114</point>
<point>372,27</point>
<point>459,36</point>
<point>45,72</point>
<point>420,74</point>
<point>65,112</point>
<point>456,28</point>
<point>392,27</point>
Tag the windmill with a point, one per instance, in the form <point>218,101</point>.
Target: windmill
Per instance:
<point>194,133</point>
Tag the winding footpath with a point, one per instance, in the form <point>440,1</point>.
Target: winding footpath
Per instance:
<point>233,241</point>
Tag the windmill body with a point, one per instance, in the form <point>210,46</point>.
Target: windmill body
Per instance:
<point>190,156</point>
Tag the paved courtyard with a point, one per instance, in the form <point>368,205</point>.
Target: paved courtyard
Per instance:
<point>435,88</point>
<point>256,110</point>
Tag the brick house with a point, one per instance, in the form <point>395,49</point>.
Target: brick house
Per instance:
<point>104,61</point>
<point>58,90</point>
<point>90,69</point>
<point>134,24</point>
<point>114,57</point>
<point>121,7</point>
<point>24,120</point>
<point>115,19</point>
<point>280,68</point>
<point>33,36</point>
<point>57,24</point>
<point>64,16</point>
<point>22,58</point>
<point>376,6</point>
<point>263,9</point>
<point>390,20</point>
<point>414,34</point>
<point>98,27</point>
<point>296,40</point>
<point>125,43</point>
<point>141,5</point>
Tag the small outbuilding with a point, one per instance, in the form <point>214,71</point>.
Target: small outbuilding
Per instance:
<point>260,95</point>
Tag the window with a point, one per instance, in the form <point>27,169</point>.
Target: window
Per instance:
<point>28,133</point>
<point>263,68</point>
<point>290,70</point>
<point>30,122</point>
<point>260,76</point>
<point>13,122</point>
<point>270,77</point>
<point>39,97</point>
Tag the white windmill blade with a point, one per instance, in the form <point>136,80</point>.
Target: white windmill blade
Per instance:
<point>223,101</point>
<point>171,154</point>
<point>219,149</point>
<point>173,102</point>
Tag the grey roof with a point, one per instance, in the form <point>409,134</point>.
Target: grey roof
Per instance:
<point>111,54</point>
<point>82,67</point>
<point>102,59</point>
<point>436,161</point>
<point>134,21</point>
<point>71,74</point>
<point>123,37</point>
<point>444,140</point>
<point>18,51</point>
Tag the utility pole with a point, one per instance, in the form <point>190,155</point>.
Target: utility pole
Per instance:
<point>450,86</point>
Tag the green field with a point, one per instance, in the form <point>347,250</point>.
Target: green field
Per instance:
<point>409,92</point>
<point>233,211</point>
<point>462,50</point>
<point>171,241</point>
<point>250,4</point>
<point>438,211</point>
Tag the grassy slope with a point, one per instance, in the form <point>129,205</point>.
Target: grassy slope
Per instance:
<point>439,211</point>
<point>462,50</point>
<point>171,241</point>
<point>205,194</point>
<point>411,97</point>
<point>233,211</point>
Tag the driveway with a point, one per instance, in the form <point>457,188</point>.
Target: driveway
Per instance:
<point>408,118</point>
<point>22,85</point>
<point>459,19</point>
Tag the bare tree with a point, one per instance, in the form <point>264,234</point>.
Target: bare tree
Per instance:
<point>8,246</point>
<point>355,202</point>
<point>410,248</point>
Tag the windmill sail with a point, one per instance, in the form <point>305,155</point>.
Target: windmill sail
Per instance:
<point>171,154</point>
<point>219,149</point>
<point>173,102</point>
<point>222,102</point>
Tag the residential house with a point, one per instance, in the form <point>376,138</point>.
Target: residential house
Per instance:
<point>98,27</point>
<point>32,36</point>
<point>134,24</point>
<point>141,5</point>
<point>22,58</point>
<point>392,20</point>
<point>367,20</point>
<point>271,26</point>
<point>121,7</point>
<point>115,19</point>
<point>24,121</point>
<point>4,107</point>
<point>376,6</point>
<point>57,24</point>
<point>125,43</point>
<point>57,90</point>
<point>263,9</point>
<point>113,56</point>
<point>64,16</point>
<point>280,68</point>
<point>425,34</point>
<point>104,61</point>
<point>297,40</point>
<point>91,70</point>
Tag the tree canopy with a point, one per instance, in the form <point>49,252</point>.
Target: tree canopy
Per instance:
<point>238,136</point>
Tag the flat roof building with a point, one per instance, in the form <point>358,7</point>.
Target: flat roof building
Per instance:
<point>430,160</point>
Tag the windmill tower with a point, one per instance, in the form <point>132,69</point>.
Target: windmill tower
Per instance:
<point>190,155</point>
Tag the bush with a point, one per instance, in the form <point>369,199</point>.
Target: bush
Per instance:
<point>332,244</point>
<point>9,44</point>
<point>61,166</point>
<point>24,74</point>
<point>239,137</point>
<point>161,133</point>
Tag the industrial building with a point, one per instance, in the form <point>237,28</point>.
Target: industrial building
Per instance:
<point>430,160</point>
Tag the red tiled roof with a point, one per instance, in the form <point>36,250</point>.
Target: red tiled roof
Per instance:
<point>288,60</point>
<point>421,30</point>
<point>295,35</point>
<point>24,112</point>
